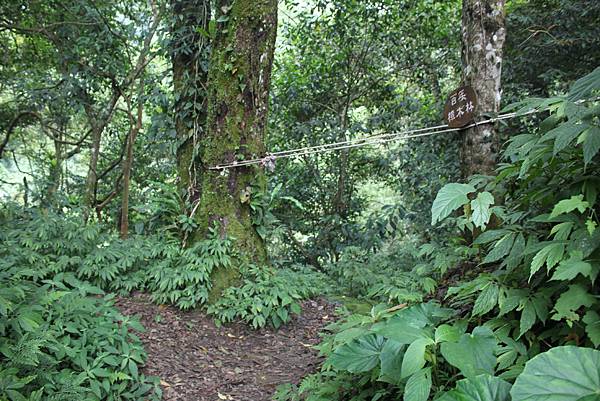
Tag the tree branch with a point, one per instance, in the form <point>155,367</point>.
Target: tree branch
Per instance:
<point>13,125</point>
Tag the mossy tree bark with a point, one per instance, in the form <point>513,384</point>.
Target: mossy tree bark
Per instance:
<point>483,35</point>
<point>189,55</point>
<point>221,93</point>
<point>238,93</point>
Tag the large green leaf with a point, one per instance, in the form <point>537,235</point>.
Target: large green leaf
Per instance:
<point>528,317</point>
<point>445,332</point>
<point>430,313</point>
<point>561,374</point>
<point>591,144</point>
<point>586,86</point>
<point>569,269</point>
<point>418,386</point>
<point>481,209</point>
<point>565,134</point>
<point>550,254</point>
<point>516,252</point>
<point>404,328</point>
<point>570,301</point>
<point>479,388</point>
<point>414,357</point>
<point>391,362</point>
<point>575,202</point>
<point>487,299</point>
<point>592,326</point>
<point>473,354</point>
<point>490,236</point>
<point>360,355</point>
<point>510,299</point>
<point>501,248</point>
<point>449,198</point>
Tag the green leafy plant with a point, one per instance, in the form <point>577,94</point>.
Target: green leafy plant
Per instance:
<point>181,276</point>
<point>545,244</point>
<point>562,373</point>
<point>397,274</point>
<point>59,343</point>
<point>264,297</point>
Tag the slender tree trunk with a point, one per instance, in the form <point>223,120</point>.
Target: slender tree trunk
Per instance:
<point>136,126</point>
<point>483,35</point>
<point>25,192</point>
<point>189,56</point>
<point>340,200</point>
<point>55,168</point>
<point>97,126</point>
<point>238,94</point>
<point>13,125</point>
<point>99,119</point>
<point>92,175</point>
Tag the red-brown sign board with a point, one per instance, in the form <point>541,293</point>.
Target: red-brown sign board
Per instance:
<point>460,107</point>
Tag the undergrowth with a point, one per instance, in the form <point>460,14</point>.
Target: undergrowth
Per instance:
<point>60,336</point>
<point>57,342</point>
<point>51,244</point>
<point>263,297</point>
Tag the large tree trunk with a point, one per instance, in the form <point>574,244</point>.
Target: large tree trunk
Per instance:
<point>189,55</point>
<point>238,94</point>
<point>483,36</point>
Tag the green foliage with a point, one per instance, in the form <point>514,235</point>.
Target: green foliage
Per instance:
<point>562,373</point>
<point>541,62</point>
<point>360,355</point>
<point>387,349</point>
<point>397,274</point>
<point>548,219</point>
<point>533,252</point>
<point>345,74</point>
<point>162,211</point>
<point>265,297</point>
<point>57,342</point>
<point>181,276</point>
<point>60,244</point>
<point>520,274</point>
<point>156,264</point>
<point>69,69</point>
<point>479,388</point>
<point>481,356</point>
<point>449,198</point>
<point>60,340</point>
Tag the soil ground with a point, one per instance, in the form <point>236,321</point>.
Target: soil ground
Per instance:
<point>198,361</point>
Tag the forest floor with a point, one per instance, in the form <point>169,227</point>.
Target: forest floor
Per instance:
<point>198,361</point>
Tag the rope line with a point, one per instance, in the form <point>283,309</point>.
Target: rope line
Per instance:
<point>269,160</point>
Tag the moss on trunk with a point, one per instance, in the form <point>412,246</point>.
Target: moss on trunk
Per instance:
<point>238,92</point>
<point>189,55</point>
<point>225,122</point>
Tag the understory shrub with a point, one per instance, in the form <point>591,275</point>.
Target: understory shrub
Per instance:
<point>60,339</point>
<point>265,296</point>
<point>60,336</point>
<point>56,243</point>
<point>158,264</point>
<point>396,274</point>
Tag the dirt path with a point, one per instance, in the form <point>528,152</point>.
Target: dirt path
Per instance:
<point>198,361</point>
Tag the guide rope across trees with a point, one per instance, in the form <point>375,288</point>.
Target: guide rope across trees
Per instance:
<point>268,161</point>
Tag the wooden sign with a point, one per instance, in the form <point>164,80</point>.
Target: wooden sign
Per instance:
<point>460,107</point>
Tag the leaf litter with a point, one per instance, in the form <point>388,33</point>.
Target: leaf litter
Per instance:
<point>198,361</point>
